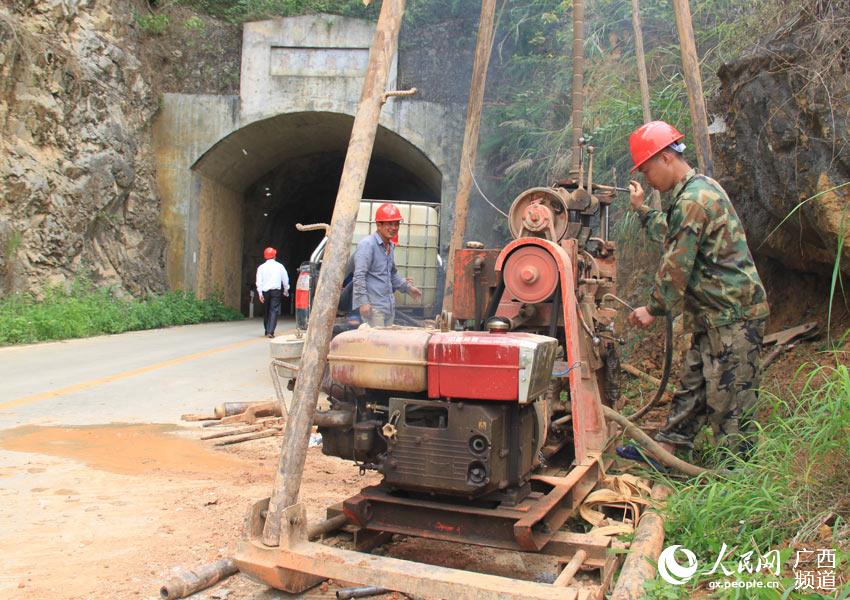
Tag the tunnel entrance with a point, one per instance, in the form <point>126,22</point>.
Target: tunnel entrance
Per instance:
<point>303,190</point>
<point>261,180</point>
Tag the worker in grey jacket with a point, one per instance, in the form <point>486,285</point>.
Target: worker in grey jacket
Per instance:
<point>375,275</point>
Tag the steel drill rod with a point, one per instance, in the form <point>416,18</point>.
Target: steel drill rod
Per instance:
<point>366,591</point>
<point>577,116</point>
<point>250,436</point>
<point>237,431</point>
<point>322,527</point>
<point>188,582</point>
<point>314,357</point>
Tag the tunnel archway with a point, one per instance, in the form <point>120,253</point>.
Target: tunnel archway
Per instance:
<point>260,180</point>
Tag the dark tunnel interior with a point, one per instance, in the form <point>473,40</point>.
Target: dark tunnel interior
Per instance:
<point>303,190</point>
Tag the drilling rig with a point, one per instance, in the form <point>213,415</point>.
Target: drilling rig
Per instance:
<point>489,428</point>
<point>460,422</point>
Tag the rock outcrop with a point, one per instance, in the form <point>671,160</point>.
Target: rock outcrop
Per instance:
<point>786,148</point>
<point>76,180</point>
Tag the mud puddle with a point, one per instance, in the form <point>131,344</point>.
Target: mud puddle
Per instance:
<point>125,449</point>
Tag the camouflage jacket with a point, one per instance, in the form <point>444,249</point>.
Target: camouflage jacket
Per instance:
<point>706,260</point>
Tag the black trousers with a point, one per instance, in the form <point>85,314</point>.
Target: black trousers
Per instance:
<point>272,298</point>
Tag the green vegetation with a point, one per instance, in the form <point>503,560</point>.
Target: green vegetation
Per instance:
<point>795,484</point>
<point>85,310</point>
<point>527,128</point>
<point>154,23</point>
<point>248,10</point>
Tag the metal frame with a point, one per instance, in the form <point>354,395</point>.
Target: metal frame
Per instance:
<point>298,564</point>
<point>528,526</point>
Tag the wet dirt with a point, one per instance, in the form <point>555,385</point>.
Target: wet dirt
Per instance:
<point>124,449</point>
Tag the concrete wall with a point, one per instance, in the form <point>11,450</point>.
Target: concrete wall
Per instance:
<point>314,62</point>
<point>300,87</point>
<point>219,234</point>
<point>186,126</point>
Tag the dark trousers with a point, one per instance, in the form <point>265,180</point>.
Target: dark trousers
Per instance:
<point>272,298</point>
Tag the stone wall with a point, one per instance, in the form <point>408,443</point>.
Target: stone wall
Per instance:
<point>784,157</point>
<point>76,171</point>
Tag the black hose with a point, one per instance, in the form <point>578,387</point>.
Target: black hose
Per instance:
<point>493,305</point>
<point>668,361</point>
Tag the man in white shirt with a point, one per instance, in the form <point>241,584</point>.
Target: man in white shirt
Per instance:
<point>272,283</point>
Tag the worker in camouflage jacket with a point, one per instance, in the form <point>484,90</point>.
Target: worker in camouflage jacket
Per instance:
<point>708,268</point>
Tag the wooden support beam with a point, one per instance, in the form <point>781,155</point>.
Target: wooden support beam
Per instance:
<point>566,576</point>
<point>483,47</point>
<point>314,358</point>
<point>693,80</point>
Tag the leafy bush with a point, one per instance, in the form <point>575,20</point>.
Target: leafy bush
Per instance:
<point>85,310</point>
<point>155,23</point>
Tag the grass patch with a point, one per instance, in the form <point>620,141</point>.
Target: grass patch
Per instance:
<point>794,493</point>
<point>84,310</point>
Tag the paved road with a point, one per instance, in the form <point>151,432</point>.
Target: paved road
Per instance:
<point>144,376</point>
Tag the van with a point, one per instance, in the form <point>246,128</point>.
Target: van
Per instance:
<point>417,255</point>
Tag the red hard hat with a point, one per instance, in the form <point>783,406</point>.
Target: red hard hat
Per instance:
<point>269,253</point>
<point>649,139</point>
<point>387,212</point>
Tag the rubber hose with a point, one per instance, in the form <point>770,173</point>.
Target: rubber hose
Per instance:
<point>668,363</point>
<point>636,433</point>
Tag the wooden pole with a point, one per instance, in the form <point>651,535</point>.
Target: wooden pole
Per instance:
<point>693,80</point>
<point>297,434</point>
<point>483,47</point>
<point>578,84</point>
<point>641,62</point>
<point>655,197</point>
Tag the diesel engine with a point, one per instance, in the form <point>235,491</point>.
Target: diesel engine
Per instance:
<point>458,413</point>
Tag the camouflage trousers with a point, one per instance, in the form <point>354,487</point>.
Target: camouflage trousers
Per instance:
<point>718,385</point>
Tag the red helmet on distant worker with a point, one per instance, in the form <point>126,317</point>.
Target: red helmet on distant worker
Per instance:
<point>269,253</point>
<point>649,139</point>
<point>387,212</point>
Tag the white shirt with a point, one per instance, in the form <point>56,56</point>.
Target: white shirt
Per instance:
<point>271,275</point>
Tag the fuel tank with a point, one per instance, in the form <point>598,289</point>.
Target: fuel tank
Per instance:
<point>392,359</point>
<point>477,365</point>
<point>474,365</point>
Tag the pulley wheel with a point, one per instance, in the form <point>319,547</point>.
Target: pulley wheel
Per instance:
<point>530,274</point>
<point>539,212</point>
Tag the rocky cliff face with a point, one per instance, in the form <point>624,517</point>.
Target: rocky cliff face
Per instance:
<point>76,181</point>
<point>787,112</point>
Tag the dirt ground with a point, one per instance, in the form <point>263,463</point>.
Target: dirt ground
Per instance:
<point>109,511</point>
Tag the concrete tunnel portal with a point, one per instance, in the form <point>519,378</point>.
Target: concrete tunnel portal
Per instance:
<point>259,181</point>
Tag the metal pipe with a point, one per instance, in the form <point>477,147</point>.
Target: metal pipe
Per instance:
<point>398,94</point>
<point>477,268</point>
<point>322,527</point>
<point>361,592</point>
<point>333,418</point>
<point>314,358</point>
<point>526,312</point>
<point>186,582</point>
<point>606,222</point>
<point>577,87</point>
